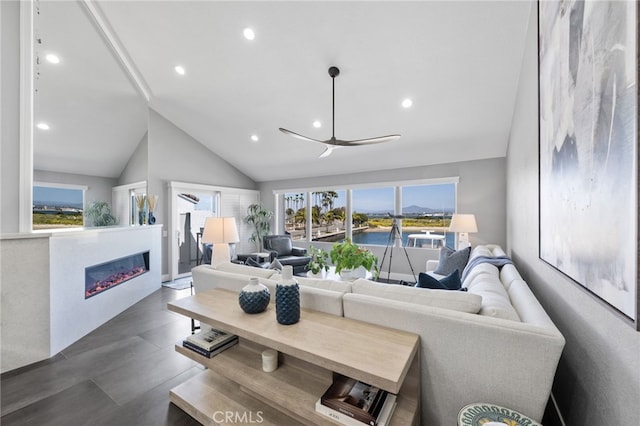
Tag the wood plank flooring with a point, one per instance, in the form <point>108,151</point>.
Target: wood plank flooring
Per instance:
<point>120,374</point>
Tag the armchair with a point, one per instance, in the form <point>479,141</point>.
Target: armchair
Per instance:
<point>281,248</point>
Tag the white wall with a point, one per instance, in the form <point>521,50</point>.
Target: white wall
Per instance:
<point>598,379</point>
<point>176,156</point>
<point>25,294</point>
<point>137,168</point>
<point>9,115</point>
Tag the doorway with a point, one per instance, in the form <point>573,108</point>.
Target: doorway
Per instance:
<point>190,206</point>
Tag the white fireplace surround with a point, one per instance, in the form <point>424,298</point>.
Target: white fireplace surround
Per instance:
<point>43,289</point>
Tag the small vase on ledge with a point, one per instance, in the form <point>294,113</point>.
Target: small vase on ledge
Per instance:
<point>152,218</point>
<point>287,298</point>
<point>141,217</point>
<point>254,297</point>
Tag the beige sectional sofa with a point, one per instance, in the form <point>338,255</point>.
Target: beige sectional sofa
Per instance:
<point>493,343</point>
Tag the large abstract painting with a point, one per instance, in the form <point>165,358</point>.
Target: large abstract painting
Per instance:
<point>588,70</point>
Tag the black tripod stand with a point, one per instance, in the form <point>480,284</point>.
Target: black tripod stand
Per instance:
<point>394,235</point>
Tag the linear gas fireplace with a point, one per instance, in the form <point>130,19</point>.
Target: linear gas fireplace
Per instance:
<point>102,277</point>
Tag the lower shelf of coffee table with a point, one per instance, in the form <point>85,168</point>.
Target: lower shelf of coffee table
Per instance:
<point>235,383</point>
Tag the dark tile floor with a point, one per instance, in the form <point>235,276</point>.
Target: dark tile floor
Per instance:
<point>120,374</point>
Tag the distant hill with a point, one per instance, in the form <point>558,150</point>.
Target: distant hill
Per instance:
<point>408,210</point>
<point>413,209</point>
<point>58,204</point>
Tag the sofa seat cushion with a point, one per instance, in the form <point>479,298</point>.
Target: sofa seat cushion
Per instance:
<point>245,270</point>
<point>454,300</point>
<point>495,300</point>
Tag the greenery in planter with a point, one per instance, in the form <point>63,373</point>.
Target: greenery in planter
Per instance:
<point>99,214</point>
<point>347,255</point>
<point>260,218</point>
<point>319,260</point>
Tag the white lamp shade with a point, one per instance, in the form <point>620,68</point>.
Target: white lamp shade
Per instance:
<point>463,223</point>
<point>219,230</point>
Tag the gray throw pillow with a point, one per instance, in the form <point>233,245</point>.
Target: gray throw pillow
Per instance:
<point>276,265</point>
<point>450,260</point>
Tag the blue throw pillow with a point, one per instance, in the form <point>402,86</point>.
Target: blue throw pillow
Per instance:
<point>450,282</point>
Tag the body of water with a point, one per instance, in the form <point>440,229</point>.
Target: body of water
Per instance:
<point>382,239</point>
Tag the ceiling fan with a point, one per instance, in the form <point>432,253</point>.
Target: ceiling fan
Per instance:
<point>333,142</point>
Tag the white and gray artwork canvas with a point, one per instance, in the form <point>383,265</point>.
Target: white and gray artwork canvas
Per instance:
<point>588,143</point>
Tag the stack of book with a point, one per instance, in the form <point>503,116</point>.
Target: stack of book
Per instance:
<point>210,342</point>
<point>351,402</point>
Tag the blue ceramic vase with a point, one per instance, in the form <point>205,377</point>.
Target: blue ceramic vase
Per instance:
<point>287,298</point>
<point>254,297</point>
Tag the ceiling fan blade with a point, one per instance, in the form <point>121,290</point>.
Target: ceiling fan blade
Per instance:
<point>368,141</point>
<point>296,135</point>
<point>327,152</point>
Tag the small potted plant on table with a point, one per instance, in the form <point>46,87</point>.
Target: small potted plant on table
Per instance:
<point>319,263</point>
<point>352,261</point>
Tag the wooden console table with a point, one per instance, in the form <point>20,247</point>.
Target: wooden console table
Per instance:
<point>309,352</point>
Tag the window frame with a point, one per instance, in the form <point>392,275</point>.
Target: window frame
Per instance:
<point>396,184</point>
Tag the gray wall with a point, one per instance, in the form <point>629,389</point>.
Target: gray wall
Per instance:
<point>137,168</point>
<point>9,115</point>
<point>481,190</point>
<point>176,156</point>
<point>598,379</point>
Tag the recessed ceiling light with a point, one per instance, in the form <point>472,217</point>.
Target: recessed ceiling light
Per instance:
<point>407,103</point>
<point>54,59</point>
<point>255,138</point>
<point>179,69</point>
<point>317,124</point>
<point>249,34</point>
<point>42,126</point>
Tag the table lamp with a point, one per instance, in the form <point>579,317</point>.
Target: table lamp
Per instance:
<point>220,231</point>
<point>463,224</point>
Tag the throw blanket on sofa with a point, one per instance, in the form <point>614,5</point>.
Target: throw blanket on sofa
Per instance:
<point>498,261</point>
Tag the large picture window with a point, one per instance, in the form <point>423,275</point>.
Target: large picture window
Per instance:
<point>426,209</point>
<point>57,206</point>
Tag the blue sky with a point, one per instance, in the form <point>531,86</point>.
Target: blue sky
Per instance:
<point>57,195</point>
<point>382,199</point>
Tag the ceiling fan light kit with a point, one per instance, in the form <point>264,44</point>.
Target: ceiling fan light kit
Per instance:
<point>333,142</point>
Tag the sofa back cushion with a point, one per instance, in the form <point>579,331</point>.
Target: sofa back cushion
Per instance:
<point>446,299</point>
<point>206,278</point>
<point>245,270</point>
<point>339,286</point>
<point>508,274</point>
<point>495,300</point>
<point>528,308</point>
<point>281,244</point>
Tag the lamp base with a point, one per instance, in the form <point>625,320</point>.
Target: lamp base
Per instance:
<point>220,253</point>
<point>463,240</point>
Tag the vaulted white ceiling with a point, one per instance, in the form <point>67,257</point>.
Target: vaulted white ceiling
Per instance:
<point>458,61</point>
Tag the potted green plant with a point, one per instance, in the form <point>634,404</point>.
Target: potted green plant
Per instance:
<point>99,214</point>
<point>319,260</point>
<point>260,218</point>
<point>349,256</point>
